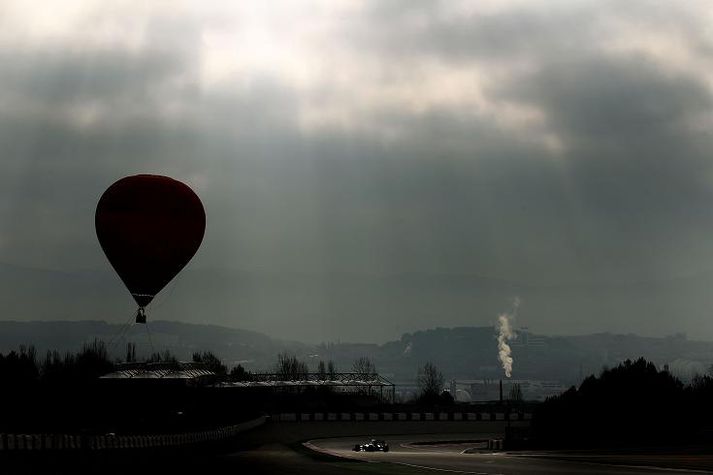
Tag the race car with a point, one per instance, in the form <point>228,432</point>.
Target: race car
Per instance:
<point>374,445</point>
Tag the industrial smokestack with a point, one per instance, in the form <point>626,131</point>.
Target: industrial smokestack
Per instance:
<point>506,333</point>
<point>501,390</point>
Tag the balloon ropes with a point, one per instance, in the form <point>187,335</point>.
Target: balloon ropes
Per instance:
<point>149,226</point>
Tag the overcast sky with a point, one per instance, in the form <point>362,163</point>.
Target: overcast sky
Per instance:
<point>370,168</point>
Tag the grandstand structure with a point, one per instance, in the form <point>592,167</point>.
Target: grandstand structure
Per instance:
<point>371,384</point>
<point>359,383</point>
<point>197,372</point>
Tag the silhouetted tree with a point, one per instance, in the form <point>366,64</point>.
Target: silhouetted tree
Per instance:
<point>289,368</point>
<point>19,368</point>
<point>238,373</point>
<point>53,368</point>
<point>430,383</point>
<point>130,352</point>
<point>93,361</point>
<point>364,367</point>
<point>322,370</point>
<point>165,357</point>
<point>331,370</point>
<point>211,362</point>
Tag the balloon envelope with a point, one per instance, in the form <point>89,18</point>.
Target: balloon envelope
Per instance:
<point>149,227</point>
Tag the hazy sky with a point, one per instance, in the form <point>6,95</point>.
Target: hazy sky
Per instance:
<point>369,168</point>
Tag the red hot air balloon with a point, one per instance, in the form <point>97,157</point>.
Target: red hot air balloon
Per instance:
<point>149,227</point>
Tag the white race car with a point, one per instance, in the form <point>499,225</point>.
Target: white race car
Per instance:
<point>374,445</point>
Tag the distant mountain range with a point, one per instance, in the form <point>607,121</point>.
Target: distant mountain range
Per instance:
<point>464,353</point>
<point>317,307</point>
<point>252,349</point>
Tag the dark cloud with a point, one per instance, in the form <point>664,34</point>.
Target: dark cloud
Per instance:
<point>601,99</point>
<point>632,156</point>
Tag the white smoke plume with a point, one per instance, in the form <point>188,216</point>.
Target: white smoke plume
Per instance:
<point>506,333</point>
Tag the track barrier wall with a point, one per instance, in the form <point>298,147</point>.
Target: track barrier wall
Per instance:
<point>112,442</point>
<point>399,416</point>
<point>73,442</point>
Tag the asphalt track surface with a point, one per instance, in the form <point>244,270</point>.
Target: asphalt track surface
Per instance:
<point>453,458</point>
<point>284,459</point>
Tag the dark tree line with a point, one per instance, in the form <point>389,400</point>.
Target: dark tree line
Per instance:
<point>633,403</point>
<point>88,364</point>
<point>19,367</point>
<point>63,392</point>
<point>23,367</point>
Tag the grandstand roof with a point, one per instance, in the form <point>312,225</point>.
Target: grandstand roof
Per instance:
<point>178,370</point>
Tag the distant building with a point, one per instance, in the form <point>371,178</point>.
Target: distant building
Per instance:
<point>525,339</point>
<point>489,389</point>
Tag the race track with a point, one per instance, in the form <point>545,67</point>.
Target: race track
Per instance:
<point>453,458</point>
